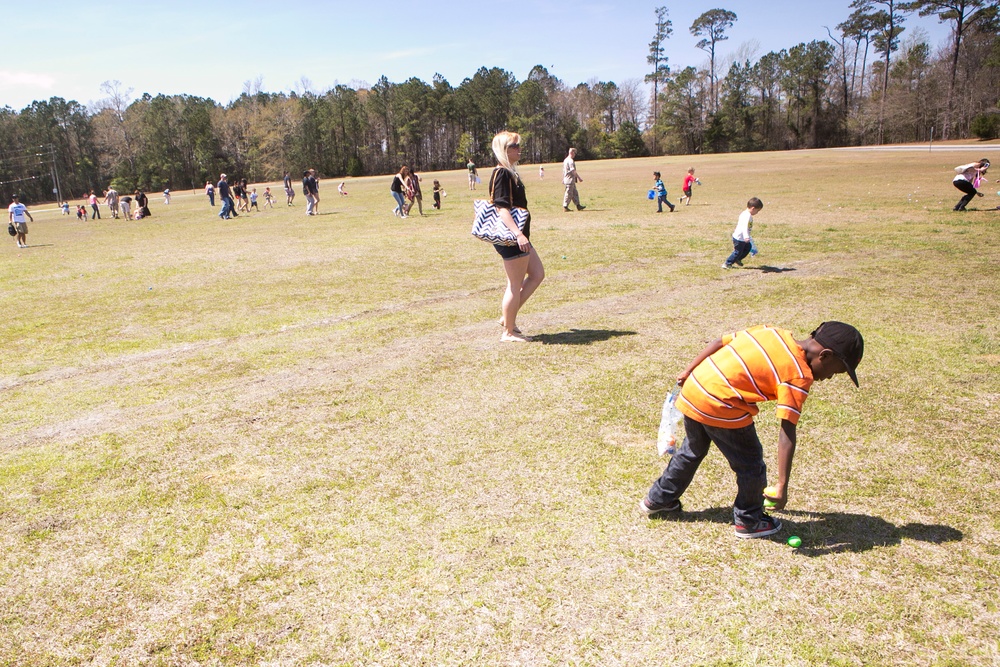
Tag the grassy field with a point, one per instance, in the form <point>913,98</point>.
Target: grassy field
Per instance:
<point>292,440</point>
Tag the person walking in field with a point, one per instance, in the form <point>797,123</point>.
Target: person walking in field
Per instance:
<point>16,213</point>
<point>417,195</point>
<point>226,197</point>
<point>289,190</point>
<point>437,194</point>
<point>210,192</point>
<point>570,179</point>
<point>398,190</point>
<point>95,209</point>
<point>720,391</point>
<point>742,238</point>
<point>661,193</point>
<point>969,177</point>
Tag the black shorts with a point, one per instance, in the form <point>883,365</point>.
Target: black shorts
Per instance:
<point>513,251</point>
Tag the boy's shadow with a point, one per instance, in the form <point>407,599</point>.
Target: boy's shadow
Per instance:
<point>825,533</point>
<point>579,336</point>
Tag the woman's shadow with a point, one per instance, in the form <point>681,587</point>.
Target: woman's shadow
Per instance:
<point>579,336</point>
<point>825,533</point>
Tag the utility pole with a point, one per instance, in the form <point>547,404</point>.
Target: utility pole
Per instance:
<point>57,191</point>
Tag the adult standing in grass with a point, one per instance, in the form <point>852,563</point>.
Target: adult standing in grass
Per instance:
<point>570,179</point>
<point>289,190</point>
<point>111,199</point>
<point>968,179</point>
<point>473,174</point>
<point>521,264</point>
<point>16,213</point>
<point>95,209</point>
<point>210,191</point>
<point>310,188</point>
<point>720,391</point>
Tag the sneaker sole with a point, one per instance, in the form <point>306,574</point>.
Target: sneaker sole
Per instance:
<point>652,514</point>
<point>764,533</point>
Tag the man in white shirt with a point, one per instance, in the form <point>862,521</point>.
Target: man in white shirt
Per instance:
<point>16,212</point>
<point>570,179</point>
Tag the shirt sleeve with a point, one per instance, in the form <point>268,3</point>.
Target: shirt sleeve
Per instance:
<point>500,186</point>
<point>791,397</point>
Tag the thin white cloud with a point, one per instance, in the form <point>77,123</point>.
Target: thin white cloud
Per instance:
<point>407,53</point>
<point>10,79</point>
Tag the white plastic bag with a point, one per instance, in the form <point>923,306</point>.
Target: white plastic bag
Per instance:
<point>671,425</point>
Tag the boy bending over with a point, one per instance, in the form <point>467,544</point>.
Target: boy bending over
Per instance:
<point>720,391</point>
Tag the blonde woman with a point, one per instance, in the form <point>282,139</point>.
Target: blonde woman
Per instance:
<point>521,263</point>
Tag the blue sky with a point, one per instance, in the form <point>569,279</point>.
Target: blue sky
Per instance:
<point>67,49</point>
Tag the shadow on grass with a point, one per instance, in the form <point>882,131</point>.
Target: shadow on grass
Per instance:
<point>825,533</point>
<point>579,336</point>
<point>764,268</point>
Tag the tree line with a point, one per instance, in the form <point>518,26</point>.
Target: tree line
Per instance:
<point>869,83</point>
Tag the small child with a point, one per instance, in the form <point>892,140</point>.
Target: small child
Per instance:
<point>65,207</point>
<point>166,196</point>
<point>689,179</point>
<point>341,190</point>
<point>437,195</point>
<point>742,239</point>
<point>253,200</point>
<point>268,198</point>
<point>541,173</point>
<point>720,391</point>
<point>661,193</point>
<point>81,212</point>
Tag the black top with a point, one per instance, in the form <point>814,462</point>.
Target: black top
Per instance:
<point>506,190</point>
<point>397,183</point>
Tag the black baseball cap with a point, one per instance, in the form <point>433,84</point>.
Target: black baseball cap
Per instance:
<point>845,342</point>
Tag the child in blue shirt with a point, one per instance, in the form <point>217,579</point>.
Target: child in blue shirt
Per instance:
<point>661,193</point>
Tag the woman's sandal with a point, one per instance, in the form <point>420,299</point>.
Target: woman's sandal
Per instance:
<point>516,330</point>
<point>512,338</point>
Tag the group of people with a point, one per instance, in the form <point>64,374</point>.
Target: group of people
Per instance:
<point>118,206</point>
<point>659,191</point>
<point>405,189</point>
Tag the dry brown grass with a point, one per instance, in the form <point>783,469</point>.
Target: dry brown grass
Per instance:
<point>285,440</point>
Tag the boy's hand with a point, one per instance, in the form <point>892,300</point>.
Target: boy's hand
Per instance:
<point>777,496</point>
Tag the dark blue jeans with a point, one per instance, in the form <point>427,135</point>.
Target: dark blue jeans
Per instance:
<point>742,449</point>
<point>740,250</point>
<point>227,207</point>
<point>660,201</point>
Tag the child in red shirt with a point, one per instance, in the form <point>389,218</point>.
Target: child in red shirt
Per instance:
<point>689,180</point>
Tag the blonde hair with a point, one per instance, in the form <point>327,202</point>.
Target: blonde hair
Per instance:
<point>500,144</point>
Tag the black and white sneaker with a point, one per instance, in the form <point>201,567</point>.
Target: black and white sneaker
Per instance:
<point>766,526</point>
<point>654,511</point>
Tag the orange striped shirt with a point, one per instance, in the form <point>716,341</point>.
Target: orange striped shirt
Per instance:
<point>756,365</point>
